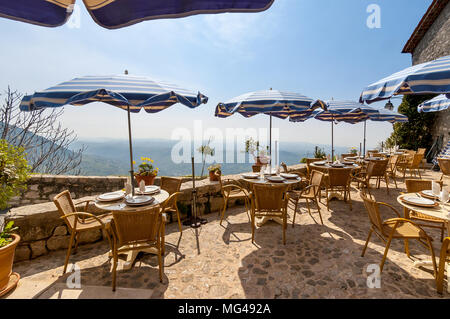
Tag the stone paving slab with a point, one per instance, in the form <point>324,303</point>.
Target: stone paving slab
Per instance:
<point>60,291</point>
<point>318,261</point>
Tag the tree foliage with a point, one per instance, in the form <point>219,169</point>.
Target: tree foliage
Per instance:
<point>14,172</point>
<point>416,133</point>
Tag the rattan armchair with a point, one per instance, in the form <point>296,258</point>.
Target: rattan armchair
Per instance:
<point>444,164</point>
<point>412,163</point>
<point>443,259</point>
<point>339,181</point>
<point>310,193</point>
<point>269,200</point>
<point>235,191</point>
<point>392,168</point>
<point>137,231</point>
<point>172,185</point>
<point>415,186</point>
<point>375,169</point>
<point>77,222</point>
<point>394,228</point>
<point>308,163</point>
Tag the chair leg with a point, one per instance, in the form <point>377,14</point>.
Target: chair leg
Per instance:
<point>69,250</point>
<point>284,228</point>
<point>115,259</point>
<point>253,227</point>
<point>418,171</point>
<point>318,209</point>
<point>328,201</point>
<point>309,208</point>
<point>179,220</point>
<point>442,232</point>
<point>295,212</point>
<point>349,199</point>
<point>407,248</point>
<point>386,179</point>
<point>367,242</point>
<point>160,266</point>
<point>224,209</point>
<point>388,244</point>
<point>76,243</point>
<point>433,258</point>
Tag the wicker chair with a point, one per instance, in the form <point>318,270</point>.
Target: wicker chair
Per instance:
<point>375,169</point>
<point>393,228</point>
<point>172,185</point>
<point>372,153</point>
<point>235,191</point>
<point>256,168</point>
<point>339,180</point>
<point>310,193</point>
<point>78,222</point>
<point>392,168</point>
<point>412,163</point>
<point>137,230</point>
<point>269,201</point>
<point>444,164</point>
<point>415,186</point>
<point>443,259</point>
<point>308,162</point>
<point>343,156</point>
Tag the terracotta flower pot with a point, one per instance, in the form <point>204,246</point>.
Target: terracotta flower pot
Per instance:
<point>6,261</point>
<point>148,180</point>
<point>214,176</point>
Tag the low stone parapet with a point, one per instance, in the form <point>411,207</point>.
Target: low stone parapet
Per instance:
<point>42,230</point>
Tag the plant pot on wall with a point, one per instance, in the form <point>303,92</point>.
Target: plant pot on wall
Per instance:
<point>148,180</point>
<point>8,279</point>
<point>214,176</point>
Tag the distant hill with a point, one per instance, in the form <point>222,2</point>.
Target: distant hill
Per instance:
<point>111,157</point>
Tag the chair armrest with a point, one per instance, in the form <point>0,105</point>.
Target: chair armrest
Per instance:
<point>228,188</point>
<point>387,205</point>
<point>87,201</point>
<point>83,214</point>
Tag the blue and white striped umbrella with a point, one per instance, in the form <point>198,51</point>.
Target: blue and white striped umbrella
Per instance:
<point>439,103</point>
<point>114,14</point>
<point>271,102</point>
<point>427,78</point>
<point>385,115</point>
<point>131,93</point>
<point>294,106</point>
<point>343,111</point>
<point>123,91</point>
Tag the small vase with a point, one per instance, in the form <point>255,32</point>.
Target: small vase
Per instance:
<point>214,176</point>
<point>148,180</point>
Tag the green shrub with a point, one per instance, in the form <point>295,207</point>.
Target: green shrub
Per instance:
<point>319,152</point>
<point>14,172</point>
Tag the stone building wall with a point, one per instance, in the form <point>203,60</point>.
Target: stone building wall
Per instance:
<point>435,44</point>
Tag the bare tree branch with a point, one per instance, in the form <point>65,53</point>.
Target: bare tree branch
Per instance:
<point>46,142</point>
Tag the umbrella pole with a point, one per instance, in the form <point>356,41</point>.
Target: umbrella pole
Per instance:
<point>270,142</point>
<point>332,140</point>
<point>364,149</point>
<point>131,151</point>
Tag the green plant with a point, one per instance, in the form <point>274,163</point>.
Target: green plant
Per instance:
<point>216,168</point>
<point>6,234</point>
<point>14,172</point>
<point>146,168</point>
<point>303,160</point>
<point>206,150</point>
<point>319,153</point>
<point>416,133</point>
<point>354,151</point>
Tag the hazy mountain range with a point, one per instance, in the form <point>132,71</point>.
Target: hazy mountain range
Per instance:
<point>111,157</point>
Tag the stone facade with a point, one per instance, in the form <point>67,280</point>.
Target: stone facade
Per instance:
<point>435,44</point>
<point>42,230</point>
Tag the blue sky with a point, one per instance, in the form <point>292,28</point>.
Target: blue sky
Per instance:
<point>320,48</point>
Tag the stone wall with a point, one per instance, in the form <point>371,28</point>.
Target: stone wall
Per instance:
<point>42,230</point>
<point>435,44</point>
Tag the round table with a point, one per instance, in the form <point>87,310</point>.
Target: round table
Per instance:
<point>442,211</point>
<point>287,181</point>
<point>120,206</point>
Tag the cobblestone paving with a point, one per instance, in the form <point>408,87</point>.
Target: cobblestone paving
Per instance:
<point>318,261</point>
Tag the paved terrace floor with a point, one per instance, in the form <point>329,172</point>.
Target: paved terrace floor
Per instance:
<point>318,261</point>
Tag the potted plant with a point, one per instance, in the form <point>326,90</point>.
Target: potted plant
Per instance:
<point>8,244</point>
<point>14,172</point>
<point>215,171</point>
<point>146,171</point>
<point>354,151</point>
<point>252,147</point>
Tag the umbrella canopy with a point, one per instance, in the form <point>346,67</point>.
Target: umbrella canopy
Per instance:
<point>430,77</point>
<point>131,93</point>
<point>114,14</point>
<point>123,91</point>
<point>385,115</point>
<point>439,103</point>
<point>343,111</point>
<point>276,103</point>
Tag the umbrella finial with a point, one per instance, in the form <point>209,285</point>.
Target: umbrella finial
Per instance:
<point>126,72</point>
